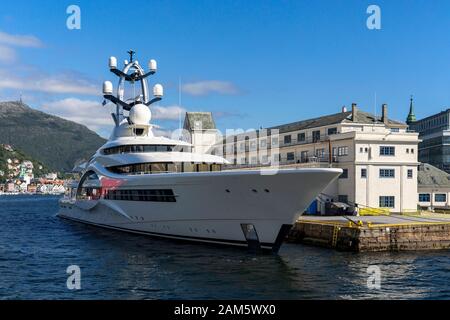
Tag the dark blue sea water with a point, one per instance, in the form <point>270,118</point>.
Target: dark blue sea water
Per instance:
<point>36,248</point>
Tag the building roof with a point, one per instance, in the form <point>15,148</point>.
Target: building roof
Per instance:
<point>361,117</point>
<point>430,176</point>
<point>199,121</point>
<point>341,117</point>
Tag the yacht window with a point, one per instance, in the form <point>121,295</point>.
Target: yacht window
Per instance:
<point>159,167</point>
<point>163,148</point>
<point>139,148</point>
<point>158,195</point>
<point>188,167</point>
<point>90,187</point>
<point>149,168</point>
<point>139,131</point>
<point>202,167</point>
<point>172,167</point>
<point>149,148</point>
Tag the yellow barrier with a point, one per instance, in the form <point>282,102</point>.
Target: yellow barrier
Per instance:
<point>373,212</point>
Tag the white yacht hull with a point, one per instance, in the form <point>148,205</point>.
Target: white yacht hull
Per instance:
<point>213,207</point>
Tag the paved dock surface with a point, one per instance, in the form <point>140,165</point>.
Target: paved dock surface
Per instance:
<point>391,219</point>
<point>374,233</point>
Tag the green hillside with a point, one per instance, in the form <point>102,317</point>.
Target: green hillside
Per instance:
<point>56,142</point>
<point>39,168</point>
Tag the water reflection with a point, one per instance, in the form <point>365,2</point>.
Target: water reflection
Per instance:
<point>36,248</point>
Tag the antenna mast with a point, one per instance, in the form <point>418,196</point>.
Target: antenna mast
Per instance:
<point>131,72</point>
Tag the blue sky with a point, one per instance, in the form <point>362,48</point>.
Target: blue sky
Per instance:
<point>253,63</point>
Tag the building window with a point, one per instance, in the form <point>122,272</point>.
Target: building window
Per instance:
<point>274,141</point>
<point>287,139</point>
<point>387,151</point>
<point>343,198</point>
<point>332,131</point>
<point>387,173</point>
<point>304,156</point>
<point>424,197</point>
<point>410,173</point>
<point>395,129</point>
<point>301,137</point>
<point>316,136</point>
<point>412,150</point>
<point>363,173</point>
<point>366,150</point>
<point>320,153</point>
<point>361,150</point>
<point>263,143</point>
<point>344,174</point>
<point>387,202</point>
<point>407,150</point>
<point>290,156</point>
<point>342,151</point>
<point>253,160</point>
<point>440,197</point>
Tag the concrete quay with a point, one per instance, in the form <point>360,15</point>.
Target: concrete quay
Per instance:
<point>428,231</point>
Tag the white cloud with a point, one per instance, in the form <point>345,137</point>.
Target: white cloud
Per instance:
<point>96,117</point>
<point>202,88</point>
<point>162,132</point>
<point>167,113</point>
<point>20,40</point>
<point>7,54</point>
<point>61,83</point>
<point>90,113</point>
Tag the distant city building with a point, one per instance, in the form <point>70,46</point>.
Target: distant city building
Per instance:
<point>51,176</point>
<point>7,147</point>
<point>32,188</point>
<point>434,133</point>
<point>378,156</point>
<point>10,187</point>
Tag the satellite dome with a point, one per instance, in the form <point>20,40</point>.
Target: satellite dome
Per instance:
<point>140,114</point>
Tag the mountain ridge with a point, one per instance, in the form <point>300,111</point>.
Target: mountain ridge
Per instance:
<point>56,142</point>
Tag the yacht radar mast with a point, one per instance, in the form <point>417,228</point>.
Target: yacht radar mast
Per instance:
<point>132,72</point>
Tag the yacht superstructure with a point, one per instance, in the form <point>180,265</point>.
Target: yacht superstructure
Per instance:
<point>141,183</point>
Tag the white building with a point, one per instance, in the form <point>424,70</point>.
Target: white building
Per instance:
<point>433,187</point>
<point>378,156</point>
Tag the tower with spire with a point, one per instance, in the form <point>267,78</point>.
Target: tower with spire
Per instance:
<point>411,118</point>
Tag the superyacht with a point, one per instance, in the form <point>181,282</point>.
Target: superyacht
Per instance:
<point>141,183</point>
